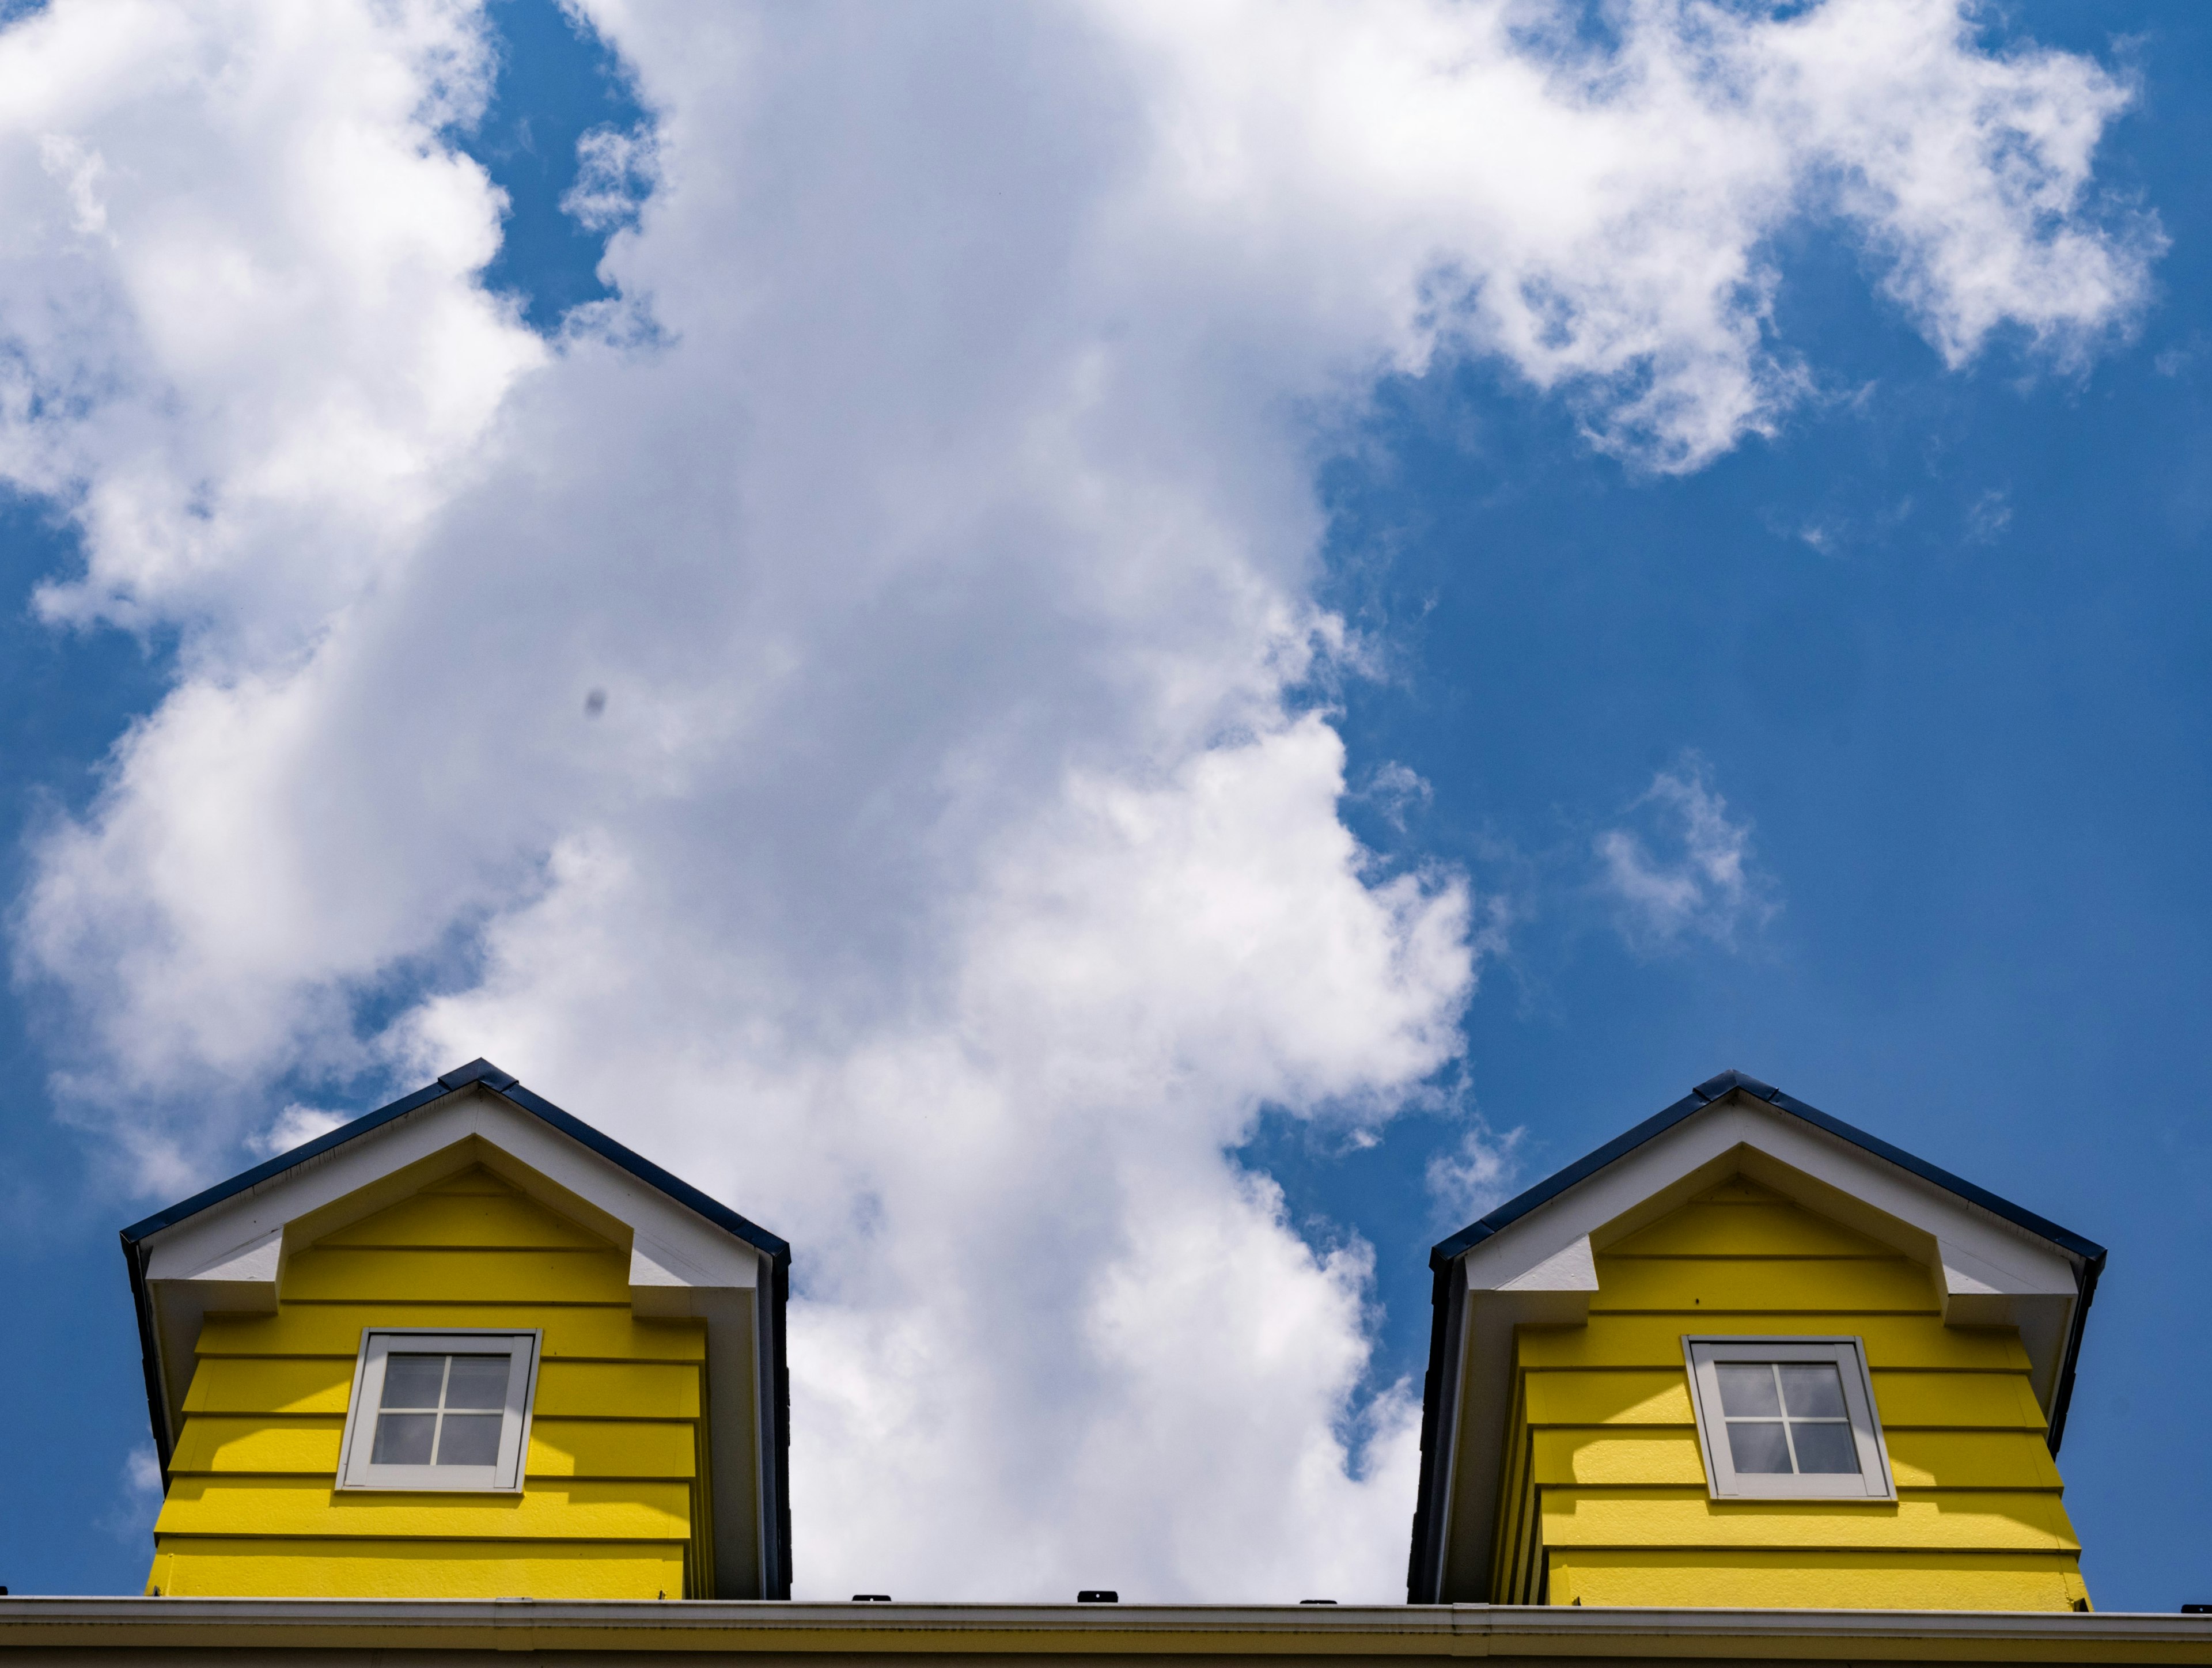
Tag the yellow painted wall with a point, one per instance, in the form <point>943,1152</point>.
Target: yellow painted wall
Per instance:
<point>1604,1497</point>
<point>613,1503</point>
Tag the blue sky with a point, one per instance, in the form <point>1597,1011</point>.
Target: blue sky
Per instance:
<point>1868,756</point>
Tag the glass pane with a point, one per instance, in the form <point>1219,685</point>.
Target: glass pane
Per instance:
<point>1759,1447</point>
<point>412,1380</point>
<point>1826,1448</point>
<point>1747,1387</point>
<point>470,1439</point>
<point>1811,1388</point>
<point>404,1439</point>
<point>477,1381</point>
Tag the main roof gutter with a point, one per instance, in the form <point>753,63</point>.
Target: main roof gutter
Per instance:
<point>97,1630</point>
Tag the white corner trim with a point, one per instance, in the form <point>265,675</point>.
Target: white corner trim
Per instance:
<point>1968,1275</point>
<point>257,1260</point>
<point>1572,1269</point>
<point>656,1273</point>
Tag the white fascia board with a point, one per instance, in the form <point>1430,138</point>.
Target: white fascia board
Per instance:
<point>1861,1190</point>
<point>685,1241</point>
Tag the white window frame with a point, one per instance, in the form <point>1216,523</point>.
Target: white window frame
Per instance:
<point>356,1470</point>
<point>1872,1482</point>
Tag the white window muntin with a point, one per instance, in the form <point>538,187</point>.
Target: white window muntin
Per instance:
<point>1812,1430</point>
<point>400,1397</point>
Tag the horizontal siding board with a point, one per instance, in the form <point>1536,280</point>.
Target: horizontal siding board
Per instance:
<point>258,1445</point>
<point>1637,1396</point>
<point>1677,1517</point>
<point>275,1385</point>
<point>1656,1341</point>
<point>1773,1286</point>
<point>1746,1230</point>
<point>195,1568</point>
<point>292,1506</point>
<point>1971,1460</point>
<point>610,1334</point>
<point>1918,1459</point>
<point>1647,1458</point>
<point>509,1276</point>
<point>1964,1401</point>
<point>510,1222</point>
<point>618,1389</point>
<point>1957,1401</point>
<point>604,1389</point>
<point>1937,1580</point>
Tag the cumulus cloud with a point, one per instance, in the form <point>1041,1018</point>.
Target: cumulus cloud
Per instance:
<point>1688,869</point>
<point>830,718</point>
<point>1475,1174</point>
<point>138,1496</point>
<point>295,1127</point>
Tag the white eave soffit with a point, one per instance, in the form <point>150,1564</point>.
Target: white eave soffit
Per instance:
<point>1989,1268</point>
<point>230,1256</point>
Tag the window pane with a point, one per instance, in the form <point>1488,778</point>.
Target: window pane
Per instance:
<point>1759,1446</point>
<point>412,1380</point>
<point>1747,1387</point>
<point>1811,1388</point>
<point>404,1439</point>
<point>1826,1448</point>
<point>470,1439</point>
<point>477,1381</point>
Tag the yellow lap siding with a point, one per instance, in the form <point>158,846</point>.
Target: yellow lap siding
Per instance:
<point>1956,1520</point>
<point>1754,1581</point>
<point>257,1444</point>
<point>1971,1400</point>
<point>579,1389</point>
<point>1772,1227</point>
<point>1793,1286</point>
<point>476,1277</point>
<point>269,1385</point>
<point>1892,1340</point>
<point>418,1569</point>
<point>605,1333</point>
<point>1636,1398</point>
<point>1919,1459</point>
<point>1958,1401</point>
<point>577,1510</point>
<point>492,1221</point>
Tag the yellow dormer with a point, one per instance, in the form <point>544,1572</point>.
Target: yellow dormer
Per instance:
<point>464,1347</point>
<point>1749,1356</point>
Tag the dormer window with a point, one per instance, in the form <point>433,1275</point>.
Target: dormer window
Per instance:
<point>441,1410</point>
<point>1786,1418</point>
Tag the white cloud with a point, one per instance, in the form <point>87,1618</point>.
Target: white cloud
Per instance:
<point>1475,1174</point>
<point>614,174</point>
<point>945,875</point>
<point>295,1127</point>
<point>1689,870</point>
<point>138,1498</point>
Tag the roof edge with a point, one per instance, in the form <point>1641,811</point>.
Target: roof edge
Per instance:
<point>2086,1251</point>
<point>482,1074</point>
